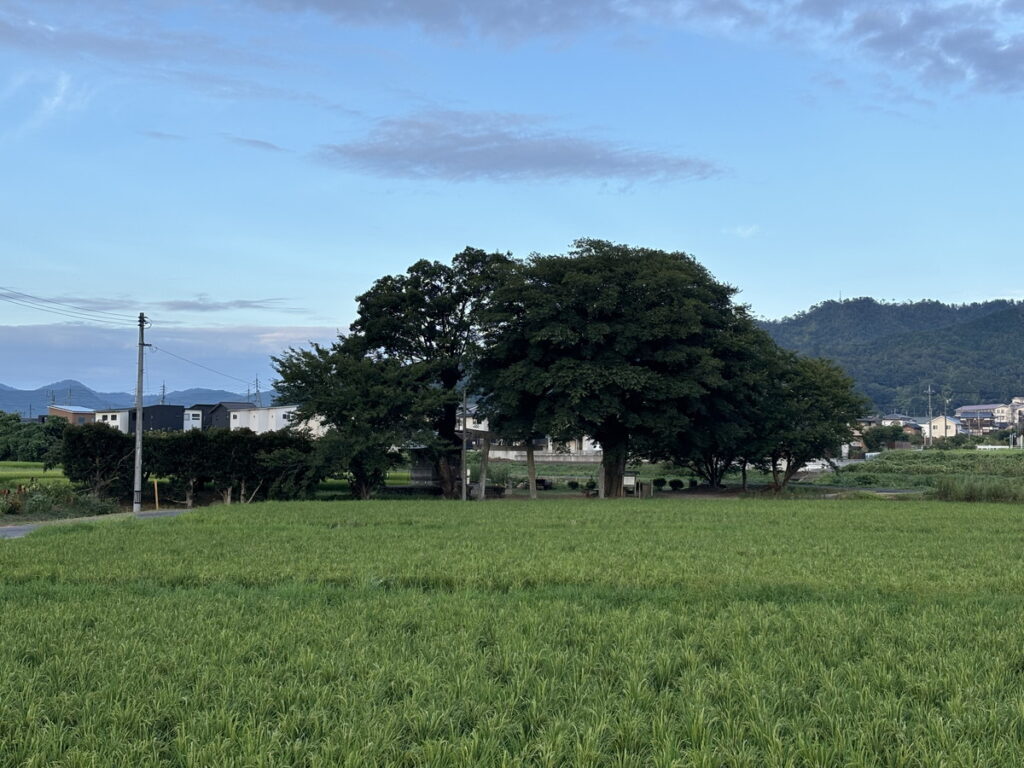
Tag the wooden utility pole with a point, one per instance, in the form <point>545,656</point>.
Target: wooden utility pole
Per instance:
<point>137,495</point>
<point>465,484</point>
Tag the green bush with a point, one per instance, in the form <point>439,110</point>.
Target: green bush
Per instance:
<point>573,485</point>
<point>968,488</point>
<point>675,484</point>
<point>659,482</point>
<point>51,500</point>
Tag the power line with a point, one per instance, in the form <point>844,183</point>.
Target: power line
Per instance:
<point>200,365</point>
<point>30,297</point>
<point>53,311</point>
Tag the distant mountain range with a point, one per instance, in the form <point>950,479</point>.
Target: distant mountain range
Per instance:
<point>71,392</point>
<point>968,353</point>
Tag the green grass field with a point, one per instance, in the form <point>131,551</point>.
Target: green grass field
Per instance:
<point>15,473</point>
<point>569,633</point>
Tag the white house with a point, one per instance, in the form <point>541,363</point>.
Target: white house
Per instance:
<point>273,418</point>
<point>581,450</point>
<point>118,418</point>
<point>940,427</point>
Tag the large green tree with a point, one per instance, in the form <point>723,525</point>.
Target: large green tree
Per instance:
<point>611,341</point>
<point>426,321</point>
<point>366,403</point>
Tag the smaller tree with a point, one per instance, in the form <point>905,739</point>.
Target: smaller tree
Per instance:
<point>366,403</point>
<point>99,459</point>
<point>877,438</point>
<point>808,414</point>
<point>185,457</point>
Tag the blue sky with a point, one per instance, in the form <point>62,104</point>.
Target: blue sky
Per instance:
<point>241,169</point>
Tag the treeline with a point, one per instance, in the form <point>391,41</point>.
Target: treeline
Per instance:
<point>971,353</point>
<point>30,441</point>
<point>640,349</point>
<point>238,465</point>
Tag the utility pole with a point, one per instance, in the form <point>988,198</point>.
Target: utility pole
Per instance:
<point>137,495</point>
<point>259,398</point>
<point>463,462</point>
<point>163,393</point>
<point>930,426</point>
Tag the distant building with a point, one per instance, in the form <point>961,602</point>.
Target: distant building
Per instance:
<point>165,418</point>
<point>76,415</point>
<point>197,416</point>
<point>941,427</point>
<point>222,415</point>
<point>979,419</point>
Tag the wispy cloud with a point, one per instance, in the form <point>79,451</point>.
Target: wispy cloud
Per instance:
<point>120,305</point>
<point>970,43</point>
<point>266,146</point>
<point>162,136</point>
<point>743,231</point>
<point>103,358</point>
<point>203,303</point>
<point>470,146</point>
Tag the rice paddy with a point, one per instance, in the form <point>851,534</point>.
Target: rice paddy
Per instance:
<point>667,632</point>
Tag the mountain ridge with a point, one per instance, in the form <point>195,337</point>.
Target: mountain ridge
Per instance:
<point>73,392</point>
<point>968,353</point>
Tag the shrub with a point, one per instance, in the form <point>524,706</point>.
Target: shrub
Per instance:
<point>659,482</point>
<point>574,485</point>
<point>590,485</point>
<point>675,484</point>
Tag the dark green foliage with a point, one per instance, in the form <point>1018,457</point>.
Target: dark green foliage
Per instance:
<point>805,415</point>
<point>426,322</point>
<point>973,353</point>
<point>99,460</point>
<point>187,458</point>
<point>876,438</point>
<point>675,484</point>
<point>659,482</point>
<point>369,404</point>
<point>39,501</point>
<point>622,344</point>
<point>30,441</point>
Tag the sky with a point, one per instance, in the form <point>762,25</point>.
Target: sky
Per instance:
<point>240,170</point>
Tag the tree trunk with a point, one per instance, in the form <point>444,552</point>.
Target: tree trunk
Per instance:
<point>241,492</point>
<point>613,465</point>
<point>189,492</point>
<point>744,473</point>
<point>449,476</point>
<point>227,493</point>
<point>484,457</point>
<point>531,469</point>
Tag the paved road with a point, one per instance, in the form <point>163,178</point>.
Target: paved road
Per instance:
<point>17,531</point>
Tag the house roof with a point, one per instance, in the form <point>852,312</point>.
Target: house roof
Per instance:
<point>73,408</point>
<point>987,407</point>
<point>236,406</point>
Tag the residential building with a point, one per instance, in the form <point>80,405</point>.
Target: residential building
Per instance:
<point>222,415</point>
<point>980,419</point>
<point>273,418</point>
<point>165,418</point>
<point>941,427</point>
<point>76,415</point>
<point>198,416</point>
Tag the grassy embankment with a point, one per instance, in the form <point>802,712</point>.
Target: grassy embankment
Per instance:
<point>952,475</point>
<point>570,632</point>
<point>15,473</point>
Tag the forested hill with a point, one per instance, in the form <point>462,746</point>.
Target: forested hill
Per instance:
<point>972,353</point>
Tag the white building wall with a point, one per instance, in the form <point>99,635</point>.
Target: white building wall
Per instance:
<point>192,420</point>
<point>261,420</point>
<point>116,418</point>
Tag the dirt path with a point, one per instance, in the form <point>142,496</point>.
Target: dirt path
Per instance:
<point>18,531</point>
